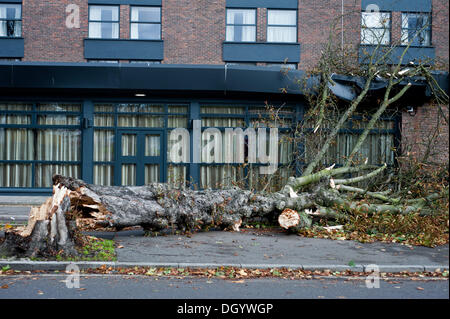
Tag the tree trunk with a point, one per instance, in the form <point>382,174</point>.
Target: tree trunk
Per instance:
<point>50,230</point>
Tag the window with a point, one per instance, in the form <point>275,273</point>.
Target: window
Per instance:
<point>281,26</point>
<point>104,22</point>
<point>146,23</point>
<point>289,66</point>
<point>416,27</point>
<point>145,61</point>
<point>376,28</point>
<point>241,25</point>
<point>38,140</point>
<point>10,20</point>
<point>103,61</point>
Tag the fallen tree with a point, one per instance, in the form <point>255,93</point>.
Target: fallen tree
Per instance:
<point>53,227</point>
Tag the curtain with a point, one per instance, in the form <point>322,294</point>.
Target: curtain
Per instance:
<point>129,142</point>
<point>152,145</point>
<point>240,25</point>
<point>128,175</point>
<point>176,175</point>
<point>140,121</point>
<point>221,176</point>
<point>282,26</point>
<point>104,175</point>
<point>151,173</point>
<point>281,34</point>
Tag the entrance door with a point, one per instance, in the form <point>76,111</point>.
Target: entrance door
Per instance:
<point>139,158</point>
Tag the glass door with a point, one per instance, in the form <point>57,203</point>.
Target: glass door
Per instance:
<point>139,158</point>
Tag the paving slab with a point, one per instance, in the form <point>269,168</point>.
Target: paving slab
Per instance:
<point>276,250</point>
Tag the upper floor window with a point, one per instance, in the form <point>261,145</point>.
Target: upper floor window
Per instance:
<point>416,28</point>
<point>376,28</point>
<point>241,25</point>
<point>104,22</point>
<point>281,25</point>
<point>146,23</point>
<point>10,20</point>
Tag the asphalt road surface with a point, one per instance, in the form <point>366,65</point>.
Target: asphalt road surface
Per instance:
<point>144,287</point>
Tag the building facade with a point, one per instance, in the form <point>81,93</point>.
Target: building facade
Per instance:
<point>93,88</point>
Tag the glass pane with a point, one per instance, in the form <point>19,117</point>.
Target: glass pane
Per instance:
<point>14,119</point>
<point>145,31</point>
<point>103,146</point>
<point>223,122</point>
<point>59,107</point>
<point>176,175</point>
<point>152,145</point>
<point>215,109</point>
<point>104,13</point>
<point>178,108</point>
<point>10,11</point>
<point>177,121</point>
<point>58,145</point>
<point>12,106</point>
<point>140,121</point>
<point>221,176</point>
<point>376,19</point>
<point>241,33</point>
<point>375,36</point>
<point>104,175</point>
<point>129,174</point>
<point>58,120</point>
<point>15,175</point>
<point>103,30</point>
<point>103,120</point>
<point>129,144</point>
<point>145,14</point>
<point>151,173</point>
<point>104,108</point>
<point>10,28</point>
<point>16,144</point>
<point>44,173</point>
<point>241,16</point>
<point>281,34</point>
<point>140,108</point>
<point>282,17</point>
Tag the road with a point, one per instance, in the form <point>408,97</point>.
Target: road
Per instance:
<point>145,287</point>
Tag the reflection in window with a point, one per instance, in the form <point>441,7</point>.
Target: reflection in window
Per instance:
<point>416,28</point>
<point>10,20</point>
<point>146,23</point>
<point>376,28</point>
<point>282,26</point>
<point>104,22</point>
<point>241,25</point>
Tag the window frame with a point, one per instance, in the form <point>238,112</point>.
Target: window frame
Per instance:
<point>282,25</point>
<point>429,29</point>
<point>15,20</point>
<point>101,21</point>
<point>34,126</point>
<point>389,28</point>
<point>134,22</point>
<point>241,25</point>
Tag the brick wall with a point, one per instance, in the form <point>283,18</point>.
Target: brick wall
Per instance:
<point>46,36</point>
<point>426,128</point>
<point>193,31</point>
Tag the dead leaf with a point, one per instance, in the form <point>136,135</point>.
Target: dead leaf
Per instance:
<point>238,281</point>
<point>40,292</point>
<point>242,272</point>
<point>420,288</point>
<point>120,246</point>
<point>82,289</point>
<point>4,287</point>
